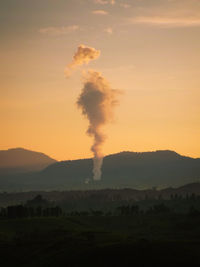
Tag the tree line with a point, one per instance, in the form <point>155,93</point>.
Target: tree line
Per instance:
<point>20,211</point>
<point>40,207</point>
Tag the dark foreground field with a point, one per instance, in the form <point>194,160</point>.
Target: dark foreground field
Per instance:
<point>140,240</point>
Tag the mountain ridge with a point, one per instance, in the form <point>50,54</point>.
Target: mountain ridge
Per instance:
<point>162,168</point>
<point>23,160</point>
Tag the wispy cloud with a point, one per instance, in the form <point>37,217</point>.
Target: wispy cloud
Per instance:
<point>125,5</point>
<point>104,2</point>
<point>59,30</point>
<point>168,22</point>
<point>100,12</point>
<point>108,30</point>
<point>101,2</point>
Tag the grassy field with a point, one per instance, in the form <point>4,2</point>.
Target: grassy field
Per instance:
<point>101,241</point>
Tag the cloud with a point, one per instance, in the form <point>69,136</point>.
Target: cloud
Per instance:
<point>83,55</point>
<point>104,2</point>
<point>168,22</point>
<point>59,30</point>
<point>108,30</point>
<point>101,2</point>
<point>100,12</point>
<point>124,5</point>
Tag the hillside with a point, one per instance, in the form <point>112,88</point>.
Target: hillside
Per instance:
<point>123,170</point>
<point>23,160</point>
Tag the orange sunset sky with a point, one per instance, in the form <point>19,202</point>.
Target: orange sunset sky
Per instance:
<point>150,49</point>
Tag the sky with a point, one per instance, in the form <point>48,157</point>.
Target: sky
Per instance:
<point>150,49</point>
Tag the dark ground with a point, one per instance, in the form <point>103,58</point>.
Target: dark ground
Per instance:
<point>140,240</point>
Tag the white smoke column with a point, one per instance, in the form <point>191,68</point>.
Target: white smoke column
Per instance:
<point>97,100</point>
<point>83,55</point>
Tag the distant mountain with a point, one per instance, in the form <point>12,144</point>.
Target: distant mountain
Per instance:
<point>17,160</point>
<point>123,170</point>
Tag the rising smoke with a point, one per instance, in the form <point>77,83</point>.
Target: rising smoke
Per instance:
<point>97,100</point>
<point>83,55</point>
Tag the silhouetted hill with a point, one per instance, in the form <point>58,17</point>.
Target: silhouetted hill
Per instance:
<point>123,170</point>
<point>23,160</point>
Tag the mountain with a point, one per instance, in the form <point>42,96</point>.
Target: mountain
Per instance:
<point>19,160</point>
<point>123,170</point>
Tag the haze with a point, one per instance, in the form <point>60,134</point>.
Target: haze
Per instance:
<point>149,49</point>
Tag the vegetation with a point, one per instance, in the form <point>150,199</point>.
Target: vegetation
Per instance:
<point>45,235</point>
<point>141,239</point>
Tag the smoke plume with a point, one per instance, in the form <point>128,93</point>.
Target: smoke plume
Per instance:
<point>83,55</point>
<point>96,101</point>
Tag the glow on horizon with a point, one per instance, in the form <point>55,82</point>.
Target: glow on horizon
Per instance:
<point>151,52</point>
